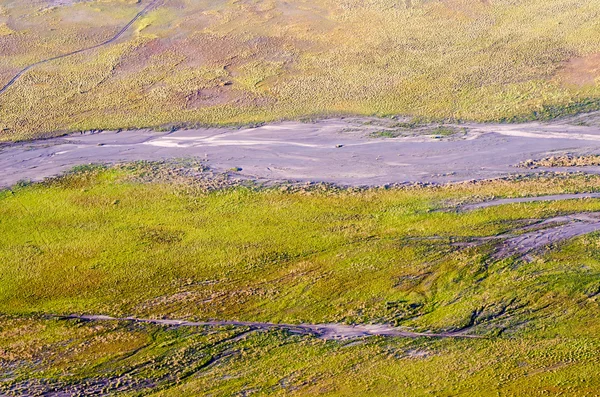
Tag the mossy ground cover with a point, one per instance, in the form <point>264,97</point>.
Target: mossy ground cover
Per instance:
<point>223,62</point>
<point>100,242</point>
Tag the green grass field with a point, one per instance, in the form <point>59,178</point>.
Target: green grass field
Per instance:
<point>235,62</point>
<point>99,241</point>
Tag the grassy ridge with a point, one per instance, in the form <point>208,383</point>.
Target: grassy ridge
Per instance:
<point>97,242</point>
<point>251,61</point>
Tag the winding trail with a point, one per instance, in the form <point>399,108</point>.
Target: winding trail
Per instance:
<point>321,331</point>
<point>109,41</point>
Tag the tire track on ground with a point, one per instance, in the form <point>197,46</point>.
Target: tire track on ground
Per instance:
<point>109,41</point>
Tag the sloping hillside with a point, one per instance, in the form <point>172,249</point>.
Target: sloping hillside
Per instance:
<point>218,62</point>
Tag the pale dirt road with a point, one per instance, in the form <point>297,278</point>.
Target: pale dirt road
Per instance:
<point>337,151</point>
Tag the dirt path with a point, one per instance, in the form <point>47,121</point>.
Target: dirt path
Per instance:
<point>322,331</point>
<point>109,41</point>
<point>557,197</point>
<point>339,151</point>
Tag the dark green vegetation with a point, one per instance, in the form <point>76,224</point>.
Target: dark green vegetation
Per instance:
<point>99,241</point>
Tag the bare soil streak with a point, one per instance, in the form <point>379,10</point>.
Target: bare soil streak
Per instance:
<point>321,331</point>
<point>557,197</point>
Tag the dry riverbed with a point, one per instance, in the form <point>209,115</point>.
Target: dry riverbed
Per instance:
<point>352,151</point>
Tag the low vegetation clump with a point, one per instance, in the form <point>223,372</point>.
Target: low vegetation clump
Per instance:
<point>103,241</point>
<point>563,161</point>
<point>396,130</point>
<point>205,62</point>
